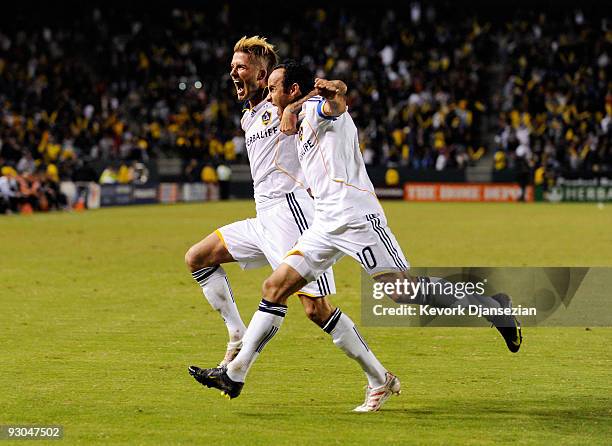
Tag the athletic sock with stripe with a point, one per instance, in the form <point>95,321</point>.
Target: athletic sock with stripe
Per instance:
<point>345,335</point>
<point>218,293</point>
<point>263,326</point>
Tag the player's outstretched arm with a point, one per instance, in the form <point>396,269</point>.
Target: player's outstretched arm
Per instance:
<point>289,119</point>
<point>335,94</point>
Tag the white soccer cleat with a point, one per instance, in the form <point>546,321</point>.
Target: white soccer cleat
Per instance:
<point>233,348</point>
<point>376,397</point>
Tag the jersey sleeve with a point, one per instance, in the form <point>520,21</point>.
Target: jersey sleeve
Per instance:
<point>313,111</point>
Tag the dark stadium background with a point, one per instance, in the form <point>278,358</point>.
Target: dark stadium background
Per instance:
<point>145,88</point>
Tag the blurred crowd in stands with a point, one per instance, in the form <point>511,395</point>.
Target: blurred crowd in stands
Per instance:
<point>556,102</point>
<point>426,83</point>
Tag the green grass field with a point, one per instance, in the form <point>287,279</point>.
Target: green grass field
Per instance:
<point>100,319</point>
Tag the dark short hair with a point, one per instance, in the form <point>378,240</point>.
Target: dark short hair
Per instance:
<point>296,73</point>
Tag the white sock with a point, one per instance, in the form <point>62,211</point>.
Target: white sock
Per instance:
<point>345,335</point>
<point>263,326</point>
<point>218,293</point>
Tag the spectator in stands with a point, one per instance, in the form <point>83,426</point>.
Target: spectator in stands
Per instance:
<point>26,163</point>
<point>9,191</point>
<point>224,174</point>
<point>108,176</point>
<point>191,173</point>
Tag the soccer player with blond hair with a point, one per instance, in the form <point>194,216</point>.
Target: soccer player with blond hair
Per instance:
<point>284,210</point>
<point>349,220</point>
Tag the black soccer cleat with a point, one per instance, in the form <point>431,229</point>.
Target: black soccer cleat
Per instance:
<point>508,326</point>
<point>217,378</point>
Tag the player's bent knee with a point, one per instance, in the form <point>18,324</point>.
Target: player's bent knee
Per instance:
<point>272,291</point>
<point>195,258</point>
<point>191,258</point>
<point>209,252</point>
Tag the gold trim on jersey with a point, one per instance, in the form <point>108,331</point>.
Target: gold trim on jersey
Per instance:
<point>216,231</point>
<point>294,252</point>
<point>325,164</point>
<point>309,296</point>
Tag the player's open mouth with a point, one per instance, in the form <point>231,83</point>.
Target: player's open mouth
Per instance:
<point>239,86</point>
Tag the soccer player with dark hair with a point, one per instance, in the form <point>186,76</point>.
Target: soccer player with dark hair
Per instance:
<point>349,220</point>
<point>284,211</point>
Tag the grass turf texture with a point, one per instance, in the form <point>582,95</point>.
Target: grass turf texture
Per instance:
<point>100,320</point>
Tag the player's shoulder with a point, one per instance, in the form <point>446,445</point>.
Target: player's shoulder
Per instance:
<point>248,114</point>
<point>314,108</point>
<point>311,105</point>
<point>246,107</point>
<point>314,101</point>
<point>251,112</point>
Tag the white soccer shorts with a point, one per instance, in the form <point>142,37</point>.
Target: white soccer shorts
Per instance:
<point>367,240</point>
<point>264,240</point>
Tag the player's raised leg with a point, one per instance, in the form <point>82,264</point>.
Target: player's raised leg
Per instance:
<point>431,293</point>
<point>204,260</point>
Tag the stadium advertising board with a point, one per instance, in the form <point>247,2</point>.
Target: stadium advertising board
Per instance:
<point>115,195</point>
<point>466,192</point>
<point>200,192</point>
<point>581,190</point>
<point>389,193</point>
<point>194,192</point>
<point>126,194</point>
<point>168,192</point>
<point>95,195</point>
<point>143,194</point>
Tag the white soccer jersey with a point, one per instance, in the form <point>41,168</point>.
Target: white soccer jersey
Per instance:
<point>274,165</point>
<point>284,208</point>
<point>328,151</point>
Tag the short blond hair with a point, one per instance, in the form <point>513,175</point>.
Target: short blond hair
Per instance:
<point>258,48</point>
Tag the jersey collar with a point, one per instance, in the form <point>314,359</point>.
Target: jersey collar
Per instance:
<point>255,109</point>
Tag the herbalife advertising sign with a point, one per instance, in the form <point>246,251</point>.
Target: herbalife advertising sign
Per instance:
<point>597,190</point>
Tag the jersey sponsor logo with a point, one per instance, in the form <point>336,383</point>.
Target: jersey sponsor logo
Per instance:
<point>305,148</point>
<point>261,135</point>
<point>265,118</point>
<point>301,133</point>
